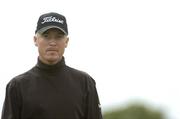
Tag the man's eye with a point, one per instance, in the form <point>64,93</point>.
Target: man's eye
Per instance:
<point>45,35</point>
<point>60,36</point>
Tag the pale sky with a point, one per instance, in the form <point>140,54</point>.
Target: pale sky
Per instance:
<point>130,47</point>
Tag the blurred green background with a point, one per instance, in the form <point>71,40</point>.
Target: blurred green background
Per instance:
<point>134,110</point>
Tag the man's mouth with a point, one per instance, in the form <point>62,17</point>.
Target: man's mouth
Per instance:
<point>51,49</point>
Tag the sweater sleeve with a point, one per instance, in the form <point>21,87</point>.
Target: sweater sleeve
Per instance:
<point>11,107</point>
<point>93,107</point>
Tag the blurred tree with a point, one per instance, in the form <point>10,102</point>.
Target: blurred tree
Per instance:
<point>134,111</point>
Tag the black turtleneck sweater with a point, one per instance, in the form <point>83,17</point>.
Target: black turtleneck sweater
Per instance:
<point>51,92</point>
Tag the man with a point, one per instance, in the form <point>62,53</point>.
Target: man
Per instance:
<point>51,89</point>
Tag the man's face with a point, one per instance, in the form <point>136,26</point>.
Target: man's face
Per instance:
<point>51,45</point>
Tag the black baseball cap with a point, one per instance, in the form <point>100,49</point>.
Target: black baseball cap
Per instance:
<point>51,20</point>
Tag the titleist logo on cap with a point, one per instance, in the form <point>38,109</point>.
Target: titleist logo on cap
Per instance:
<point>51,19</point>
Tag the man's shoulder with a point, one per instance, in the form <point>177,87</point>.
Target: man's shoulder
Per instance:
<point>77,72</point>
<point>21,77</point>
<point>80,74</point>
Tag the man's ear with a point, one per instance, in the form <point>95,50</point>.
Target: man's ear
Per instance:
<point>35,40</point>
<point>67,40</point>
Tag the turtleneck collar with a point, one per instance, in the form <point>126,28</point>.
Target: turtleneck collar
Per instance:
<point>53,67</point>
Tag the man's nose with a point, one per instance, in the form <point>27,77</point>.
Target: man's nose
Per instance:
<point>52,42</point>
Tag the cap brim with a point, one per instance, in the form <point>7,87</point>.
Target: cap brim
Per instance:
<point>42,30</point>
